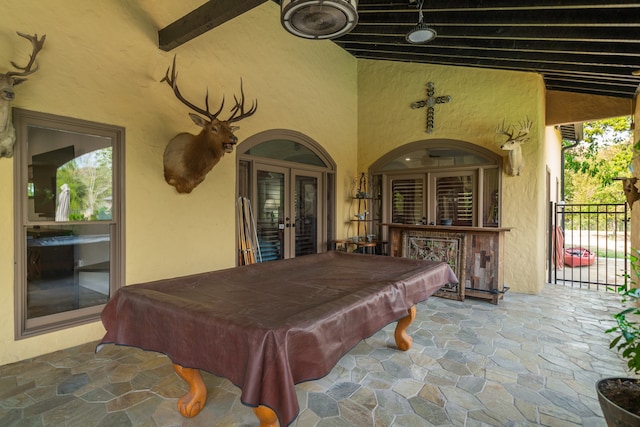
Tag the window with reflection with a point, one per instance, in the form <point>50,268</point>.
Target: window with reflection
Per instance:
<point>439,182</point>
<point>69,176</point>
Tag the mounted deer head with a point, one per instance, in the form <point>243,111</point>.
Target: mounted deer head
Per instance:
<point>188,158</point>
<point>630,190</point>
<point>516,136</point>
<point>7,81</point>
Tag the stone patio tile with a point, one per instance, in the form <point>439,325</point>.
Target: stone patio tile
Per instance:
<point>46,405</point>
<point>342,390</point>
<point>408,387</point>
<point>118,389</point>
<point>460,397</point>
<point>97,395</point>
<point>394,404</point>
<point>75,413</point>
<point>529,361</point>
<point>323,405</point>
<point>493,397</point>
<point>128,400</point>
<point>528,410</point>
<point>116,419</point>
<point>139,414</point>
<point>354,414</point>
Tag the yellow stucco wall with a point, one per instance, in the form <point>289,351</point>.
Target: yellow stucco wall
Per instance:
<point>568,107</point>
<point>481,99</point>
<point>101,63</point>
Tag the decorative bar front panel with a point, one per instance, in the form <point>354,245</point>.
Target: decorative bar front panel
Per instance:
<point>475,254</point>
<point>434,246</point>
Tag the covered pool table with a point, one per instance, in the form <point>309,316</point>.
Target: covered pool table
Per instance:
<point>269,326</point>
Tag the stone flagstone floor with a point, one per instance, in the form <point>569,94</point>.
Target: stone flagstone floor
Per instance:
<point>532,360</point>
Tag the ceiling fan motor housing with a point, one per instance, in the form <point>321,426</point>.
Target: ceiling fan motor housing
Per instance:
<point>319,19</point>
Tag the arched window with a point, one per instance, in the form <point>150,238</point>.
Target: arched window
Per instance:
<point>290,182</point>
<point>444,182</point>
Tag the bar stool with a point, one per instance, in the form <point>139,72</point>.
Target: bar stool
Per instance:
<point>368,247</point>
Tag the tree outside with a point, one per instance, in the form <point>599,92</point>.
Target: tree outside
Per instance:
<point>591,172</point>
<point>591,168</point>
<point>89,178</point>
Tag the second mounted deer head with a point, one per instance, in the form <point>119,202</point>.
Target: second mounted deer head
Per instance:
<point>631,192</point>
<point>188,158</point>
<point>516,136</point>
<point>7,82</point>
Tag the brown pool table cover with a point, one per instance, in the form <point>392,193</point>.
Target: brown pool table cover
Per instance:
<point>268,326</point>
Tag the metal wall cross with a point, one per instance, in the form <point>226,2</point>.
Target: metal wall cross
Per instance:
<point>429,103</point>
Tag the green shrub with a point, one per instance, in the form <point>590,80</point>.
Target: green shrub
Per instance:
<point>627,330</point>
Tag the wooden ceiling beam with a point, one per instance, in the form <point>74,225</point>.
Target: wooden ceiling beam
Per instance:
<point>210,15</point>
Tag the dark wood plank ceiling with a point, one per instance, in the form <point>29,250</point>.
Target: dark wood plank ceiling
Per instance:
<point>584,46</point>
<point>581,46</point>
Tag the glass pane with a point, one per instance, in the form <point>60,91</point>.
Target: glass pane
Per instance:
<point>491,195</point>
<point>306,215</point>
<point>291,151</point>
<point>376,205</point>
<point>454,200</point>
<point>407,206</point>
<point>430,158</point>
<point>70,176</point>
<point>68,267</point>
<point>270,215</point>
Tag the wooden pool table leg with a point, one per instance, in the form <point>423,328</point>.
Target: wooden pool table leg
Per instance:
<point>191,403</point>
<point>266,416</point>
<point>403,340</point>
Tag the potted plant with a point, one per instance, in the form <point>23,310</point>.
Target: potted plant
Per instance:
<point>620,397</point>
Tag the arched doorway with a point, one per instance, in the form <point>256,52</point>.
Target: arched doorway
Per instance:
<point>439,181</point>
<point>290,181</point>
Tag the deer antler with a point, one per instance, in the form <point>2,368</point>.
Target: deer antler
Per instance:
<point>523,129</point>
<point>173,82</point>
<point>238,108</point>
<point>37,46</point>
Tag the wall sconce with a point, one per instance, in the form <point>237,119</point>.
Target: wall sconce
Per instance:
<point>319,19</point>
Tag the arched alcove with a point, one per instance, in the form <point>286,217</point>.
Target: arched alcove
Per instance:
<point>439,181</point>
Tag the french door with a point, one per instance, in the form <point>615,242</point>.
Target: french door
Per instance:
<point>287,210</point>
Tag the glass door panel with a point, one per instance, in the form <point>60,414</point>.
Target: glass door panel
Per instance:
<point>306,213</point>
<point>287,210</point>
<point>455,200</point>
<point>270,211</point>
<point>491,198</point>
<point>407,200</point>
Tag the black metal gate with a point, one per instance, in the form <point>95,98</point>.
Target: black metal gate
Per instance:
<point>589,245</point>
